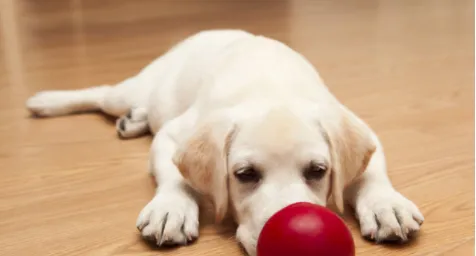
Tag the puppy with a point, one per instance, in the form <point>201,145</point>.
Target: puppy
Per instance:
<point>247,122</point>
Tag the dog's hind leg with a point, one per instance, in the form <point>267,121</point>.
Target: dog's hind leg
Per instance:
<point>133,124</point>
<point>114,100</point>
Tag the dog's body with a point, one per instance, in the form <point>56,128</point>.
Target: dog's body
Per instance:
<point>248,122</point>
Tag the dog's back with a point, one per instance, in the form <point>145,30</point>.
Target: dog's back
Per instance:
<point>210,69</point>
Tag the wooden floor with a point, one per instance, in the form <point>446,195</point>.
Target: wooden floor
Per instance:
<point>68,186</point>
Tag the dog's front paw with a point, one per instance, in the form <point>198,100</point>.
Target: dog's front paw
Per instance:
<point>386,215</point>
<point>171,218</point>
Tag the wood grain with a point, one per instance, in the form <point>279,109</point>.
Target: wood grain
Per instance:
<point>68,186</point>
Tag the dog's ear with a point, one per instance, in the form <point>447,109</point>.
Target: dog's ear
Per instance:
<point>351,147</point>
<point>202,160</point>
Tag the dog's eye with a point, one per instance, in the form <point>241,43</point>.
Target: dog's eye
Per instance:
<point>314,171</point>
<point>248,175</point>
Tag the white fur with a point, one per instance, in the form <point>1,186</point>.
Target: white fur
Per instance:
<point>273,100</point>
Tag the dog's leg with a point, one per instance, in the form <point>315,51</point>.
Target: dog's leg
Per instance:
<point>384,214</point>
<point>133,124</point>
<point>55,103</point>
<point>114,100</point>
<point>171,217</point>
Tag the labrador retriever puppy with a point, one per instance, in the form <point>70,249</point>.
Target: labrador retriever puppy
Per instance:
<point>247,122</point>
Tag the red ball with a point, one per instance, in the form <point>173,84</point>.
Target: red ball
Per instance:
<point>305,229</point>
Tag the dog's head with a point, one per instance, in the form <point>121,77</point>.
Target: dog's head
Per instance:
<point>255,166</point>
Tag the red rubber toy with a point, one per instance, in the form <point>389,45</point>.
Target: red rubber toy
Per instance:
<point>305,229</point>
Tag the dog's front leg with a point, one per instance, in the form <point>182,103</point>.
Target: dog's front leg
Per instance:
<point>384,214</point>
<point>171,217</point>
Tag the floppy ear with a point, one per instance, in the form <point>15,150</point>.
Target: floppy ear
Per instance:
<point>203,162</point>
<point>351,147</point>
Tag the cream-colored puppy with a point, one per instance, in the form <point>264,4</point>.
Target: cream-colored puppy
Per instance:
<point>247,122</point>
